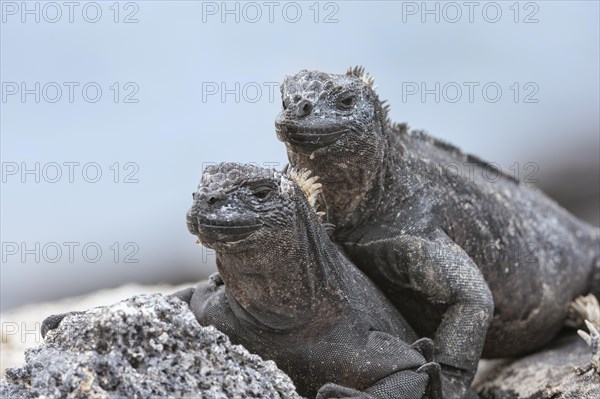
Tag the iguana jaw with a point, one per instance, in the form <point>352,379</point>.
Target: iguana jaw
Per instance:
<point>306,138</point>
<point>223,230</point>
<point>211,232</point>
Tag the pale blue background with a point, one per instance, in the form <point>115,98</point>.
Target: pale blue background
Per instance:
<point>171,132</point>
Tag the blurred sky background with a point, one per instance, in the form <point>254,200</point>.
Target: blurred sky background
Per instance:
<point>178,53</point>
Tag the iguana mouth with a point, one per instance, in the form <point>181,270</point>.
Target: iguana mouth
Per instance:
<point>213,231</point>
<point>309,138</point>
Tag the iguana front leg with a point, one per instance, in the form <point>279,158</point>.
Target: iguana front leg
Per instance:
<point>415,382</point>
<point>441,273</point>
<point>214,281</point>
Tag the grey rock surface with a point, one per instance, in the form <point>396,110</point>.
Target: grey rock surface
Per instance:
<point>22,326</point>
<point>143,347</point>
<point>560,372</point>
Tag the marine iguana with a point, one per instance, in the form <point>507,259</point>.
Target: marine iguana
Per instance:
<point>284,291</point>
<point>477,260</point>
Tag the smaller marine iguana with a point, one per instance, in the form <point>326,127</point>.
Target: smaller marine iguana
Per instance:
<point>285,292</point>
<point>476,260</point>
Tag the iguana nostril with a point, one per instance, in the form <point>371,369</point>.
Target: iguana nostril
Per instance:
<point>211,200</point>
<point>304,108</point>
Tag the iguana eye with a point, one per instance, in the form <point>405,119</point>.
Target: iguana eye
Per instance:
<point>262,192</point>
<point>347,101</point>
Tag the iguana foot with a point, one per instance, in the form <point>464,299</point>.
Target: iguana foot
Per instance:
<point>213,281</point>
<point>52,322</point>
<point>593,340</point>
<point>586,310</point>
<point>335,391</point>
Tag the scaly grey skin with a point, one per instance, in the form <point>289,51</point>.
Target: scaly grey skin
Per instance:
<point>285,292</point>
<point>476,260</point>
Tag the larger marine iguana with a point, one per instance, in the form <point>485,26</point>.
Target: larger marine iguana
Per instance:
<point>287,293</point>
<point>478,261</point>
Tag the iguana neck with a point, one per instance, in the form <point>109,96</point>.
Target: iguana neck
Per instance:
<point>400,170</point>
<point>351,194</point>
<point>281,285</point>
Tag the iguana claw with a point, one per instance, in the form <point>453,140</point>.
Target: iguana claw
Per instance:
<point>215,280</point>
<point>583,308</point>
<point>433,369</point>
<point>434,387</point>
<point>593,340</point>
<point>429,368</point>
<point>425,347</point>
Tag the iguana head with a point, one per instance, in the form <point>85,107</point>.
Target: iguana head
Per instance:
<point>326,111</point>
<point>241,207</point>
<point>333,125</point>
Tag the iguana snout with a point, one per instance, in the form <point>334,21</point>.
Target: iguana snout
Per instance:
<point>213,218</point>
